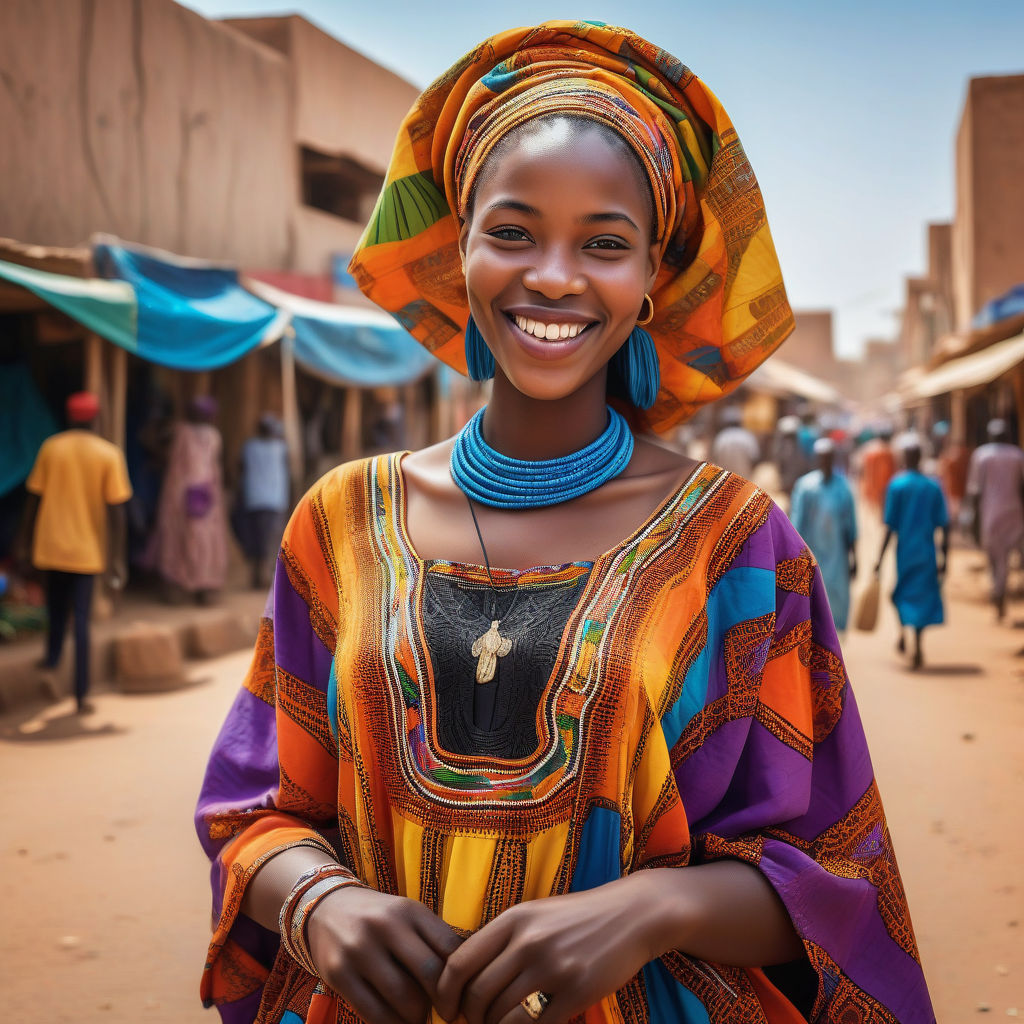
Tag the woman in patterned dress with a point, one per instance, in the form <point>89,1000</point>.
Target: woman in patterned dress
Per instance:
<point>596,760</point>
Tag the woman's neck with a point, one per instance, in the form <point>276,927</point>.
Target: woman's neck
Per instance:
<point>533,429</point>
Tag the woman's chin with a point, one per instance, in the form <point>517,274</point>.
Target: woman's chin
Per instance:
<point>545,387</point>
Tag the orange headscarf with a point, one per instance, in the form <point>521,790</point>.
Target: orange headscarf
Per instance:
<point>720,304</point>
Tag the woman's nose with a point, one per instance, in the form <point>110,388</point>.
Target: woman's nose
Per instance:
<point>554,274</point>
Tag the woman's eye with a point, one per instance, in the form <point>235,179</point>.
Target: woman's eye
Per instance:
<point>606,243</point>
<point>509,234</point>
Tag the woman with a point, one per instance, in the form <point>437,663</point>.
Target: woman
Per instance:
<point>189,546</point>
<point>548,721</point>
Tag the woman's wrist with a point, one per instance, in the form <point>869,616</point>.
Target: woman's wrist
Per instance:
<point>663,909</point>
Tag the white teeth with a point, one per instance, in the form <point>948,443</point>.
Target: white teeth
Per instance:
<point>547,332</point>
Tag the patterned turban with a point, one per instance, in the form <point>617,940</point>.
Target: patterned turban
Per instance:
<point>720,304</point>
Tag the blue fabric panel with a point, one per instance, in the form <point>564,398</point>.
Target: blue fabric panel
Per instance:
<point>598,859</point>
<point>366,355</point>
<point>290,1017</point>
<point>668,1001</point>
<point>189,318</point>
<point>742,593</point>
<point>107,309</point>
<point>25,423</point>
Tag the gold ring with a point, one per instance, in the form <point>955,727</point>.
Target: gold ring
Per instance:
<point>536,1003</point>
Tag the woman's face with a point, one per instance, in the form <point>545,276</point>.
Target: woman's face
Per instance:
<point>558,256</point>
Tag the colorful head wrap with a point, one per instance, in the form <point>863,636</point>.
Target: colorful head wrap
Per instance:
<point>720,304</point>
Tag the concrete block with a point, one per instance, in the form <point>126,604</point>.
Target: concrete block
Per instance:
<point>148,658</point>
<point>215,635</point>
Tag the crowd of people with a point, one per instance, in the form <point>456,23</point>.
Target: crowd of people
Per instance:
<point>921,487</point>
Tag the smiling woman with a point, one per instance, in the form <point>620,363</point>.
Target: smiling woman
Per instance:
<point>547,721</point>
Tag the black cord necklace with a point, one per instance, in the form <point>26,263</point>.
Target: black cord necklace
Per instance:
<point>487,649</point>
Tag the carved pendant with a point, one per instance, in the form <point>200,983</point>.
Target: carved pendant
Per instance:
<point>487,649</point>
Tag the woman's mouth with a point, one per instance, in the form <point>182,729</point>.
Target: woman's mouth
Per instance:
<point>548,330</point>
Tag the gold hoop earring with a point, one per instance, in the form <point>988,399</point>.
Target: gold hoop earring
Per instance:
<point>650,316</point>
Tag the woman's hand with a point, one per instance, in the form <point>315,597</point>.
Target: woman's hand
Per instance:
<point>576,949</point>
<point>384,954</point>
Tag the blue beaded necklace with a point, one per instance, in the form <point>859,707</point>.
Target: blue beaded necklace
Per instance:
<point>490,478</point>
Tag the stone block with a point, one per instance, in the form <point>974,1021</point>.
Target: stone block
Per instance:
<point>148,658</point>
<point>216,635</point>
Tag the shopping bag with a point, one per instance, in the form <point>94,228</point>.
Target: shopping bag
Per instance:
<point>865,616</point>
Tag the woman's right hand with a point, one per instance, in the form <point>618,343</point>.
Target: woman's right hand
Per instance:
<point>383,954</point>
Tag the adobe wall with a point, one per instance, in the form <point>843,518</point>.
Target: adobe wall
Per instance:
<point>144,120</point>
<point>809,347</point>
<point>989,228</point>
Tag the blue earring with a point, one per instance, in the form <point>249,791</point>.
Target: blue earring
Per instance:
<point>636,365</point>
<point>479,358</point>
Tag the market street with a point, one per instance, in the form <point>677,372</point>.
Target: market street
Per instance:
<point>103,874</point>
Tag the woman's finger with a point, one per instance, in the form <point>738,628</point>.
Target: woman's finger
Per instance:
<point>466,962</point>
<point>441,937</point>
<point>396,987</point>
<point>367,1002</point>
<point>420,960</point>
<point>480,995</point>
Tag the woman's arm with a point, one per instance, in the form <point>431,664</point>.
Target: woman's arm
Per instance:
<point>583,946</point>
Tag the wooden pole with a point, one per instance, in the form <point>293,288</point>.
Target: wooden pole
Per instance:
<point>958,417</point>
<point>118,396</point>
<point>290,409</point>
<point>1018,399</point>
<point>352,425</point>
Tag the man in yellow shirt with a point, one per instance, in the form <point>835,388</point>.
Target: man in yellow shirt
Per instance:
<point>77,487</point>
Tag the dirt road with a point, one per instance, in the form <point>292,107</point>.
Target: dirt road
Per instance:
<point>104,887</point>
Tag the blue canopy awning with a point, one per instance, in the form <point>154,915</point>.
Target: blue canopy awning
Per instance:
<point>349,345</point>
<point>1009,304</point>
<point>190,315</point>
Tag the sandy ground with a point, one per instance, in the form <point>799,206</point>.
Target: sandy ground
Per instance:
<point>104,887</point>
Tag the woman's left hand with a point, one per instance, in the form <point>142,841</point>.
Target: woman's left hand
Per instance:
<point>575,948</point>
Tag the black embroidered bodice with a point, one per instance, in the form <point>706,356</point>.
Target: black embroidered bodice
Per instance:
<point>495,719</point>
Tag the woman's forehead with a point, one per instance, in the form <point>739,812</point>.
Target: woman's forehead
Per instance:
<point>562,161</point>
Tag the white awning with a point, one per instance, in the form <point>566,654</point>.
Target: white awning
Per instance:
<point>968,371</point>
<point>783,379</point>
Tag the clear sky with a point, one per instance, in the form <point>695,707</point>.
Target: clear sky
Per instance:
<point>848,110</point>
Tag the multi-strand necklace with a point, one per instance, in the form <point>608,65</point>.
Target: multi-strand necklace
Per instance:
<point>486,476</point>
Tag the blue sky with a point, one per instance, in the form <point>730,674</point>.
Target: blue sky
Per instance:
<point>848,111</point>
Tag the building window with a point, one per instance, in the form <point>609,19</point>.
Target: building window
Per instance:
<point>338,185</point>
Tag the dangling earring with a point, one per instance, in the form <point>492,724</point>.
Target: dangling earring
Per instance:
<point>650,316</point>
<point>479,358</point>
<point>636,364</point>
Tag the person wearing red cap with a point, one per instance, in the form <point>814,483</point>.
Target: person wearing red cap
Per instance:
<point>77,490</point>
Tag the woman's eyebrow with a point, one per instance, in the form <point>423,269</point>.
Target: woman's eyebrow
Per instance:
<point>513,204</point>
<point>597,218</point>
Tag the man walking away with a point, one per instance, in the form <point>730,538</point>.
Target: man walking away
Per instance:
<point>264,498</point>
<point>914,509</point>
<point>995,480</point>
<point>735,448</point>
<point>824,515</point>
<point>877,468</point>
<point>78,488</point>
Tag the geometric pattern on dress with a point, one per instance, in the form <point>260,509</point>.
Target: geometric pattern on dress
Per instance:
<point>839,999</point>
<point>261,679</point>
<point>859,846</point>
<point>796,574</point>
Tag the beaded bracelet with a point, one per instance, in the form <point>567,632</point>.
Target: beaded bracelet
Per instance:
<point>307,881</point>
<point>298,940</point>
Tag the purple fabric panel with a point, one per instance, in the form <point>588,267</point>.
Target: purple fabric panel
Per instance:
<point>743,779</point>
<point>841,916</point>
<point>790,611</point>
<point>260,943</point>
<point>243,1011</point>
<point>243,770</point>
<point>841,774</point>
<point>297,648</point>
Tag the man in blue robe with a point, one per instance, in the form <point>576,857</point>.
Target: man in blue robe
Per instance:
<point>824,514</point>
<point>914,509</point>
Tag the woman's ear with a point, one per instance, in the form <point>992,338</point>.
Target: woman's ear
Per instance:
<point>653,264</point>
<point>463,235</point>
